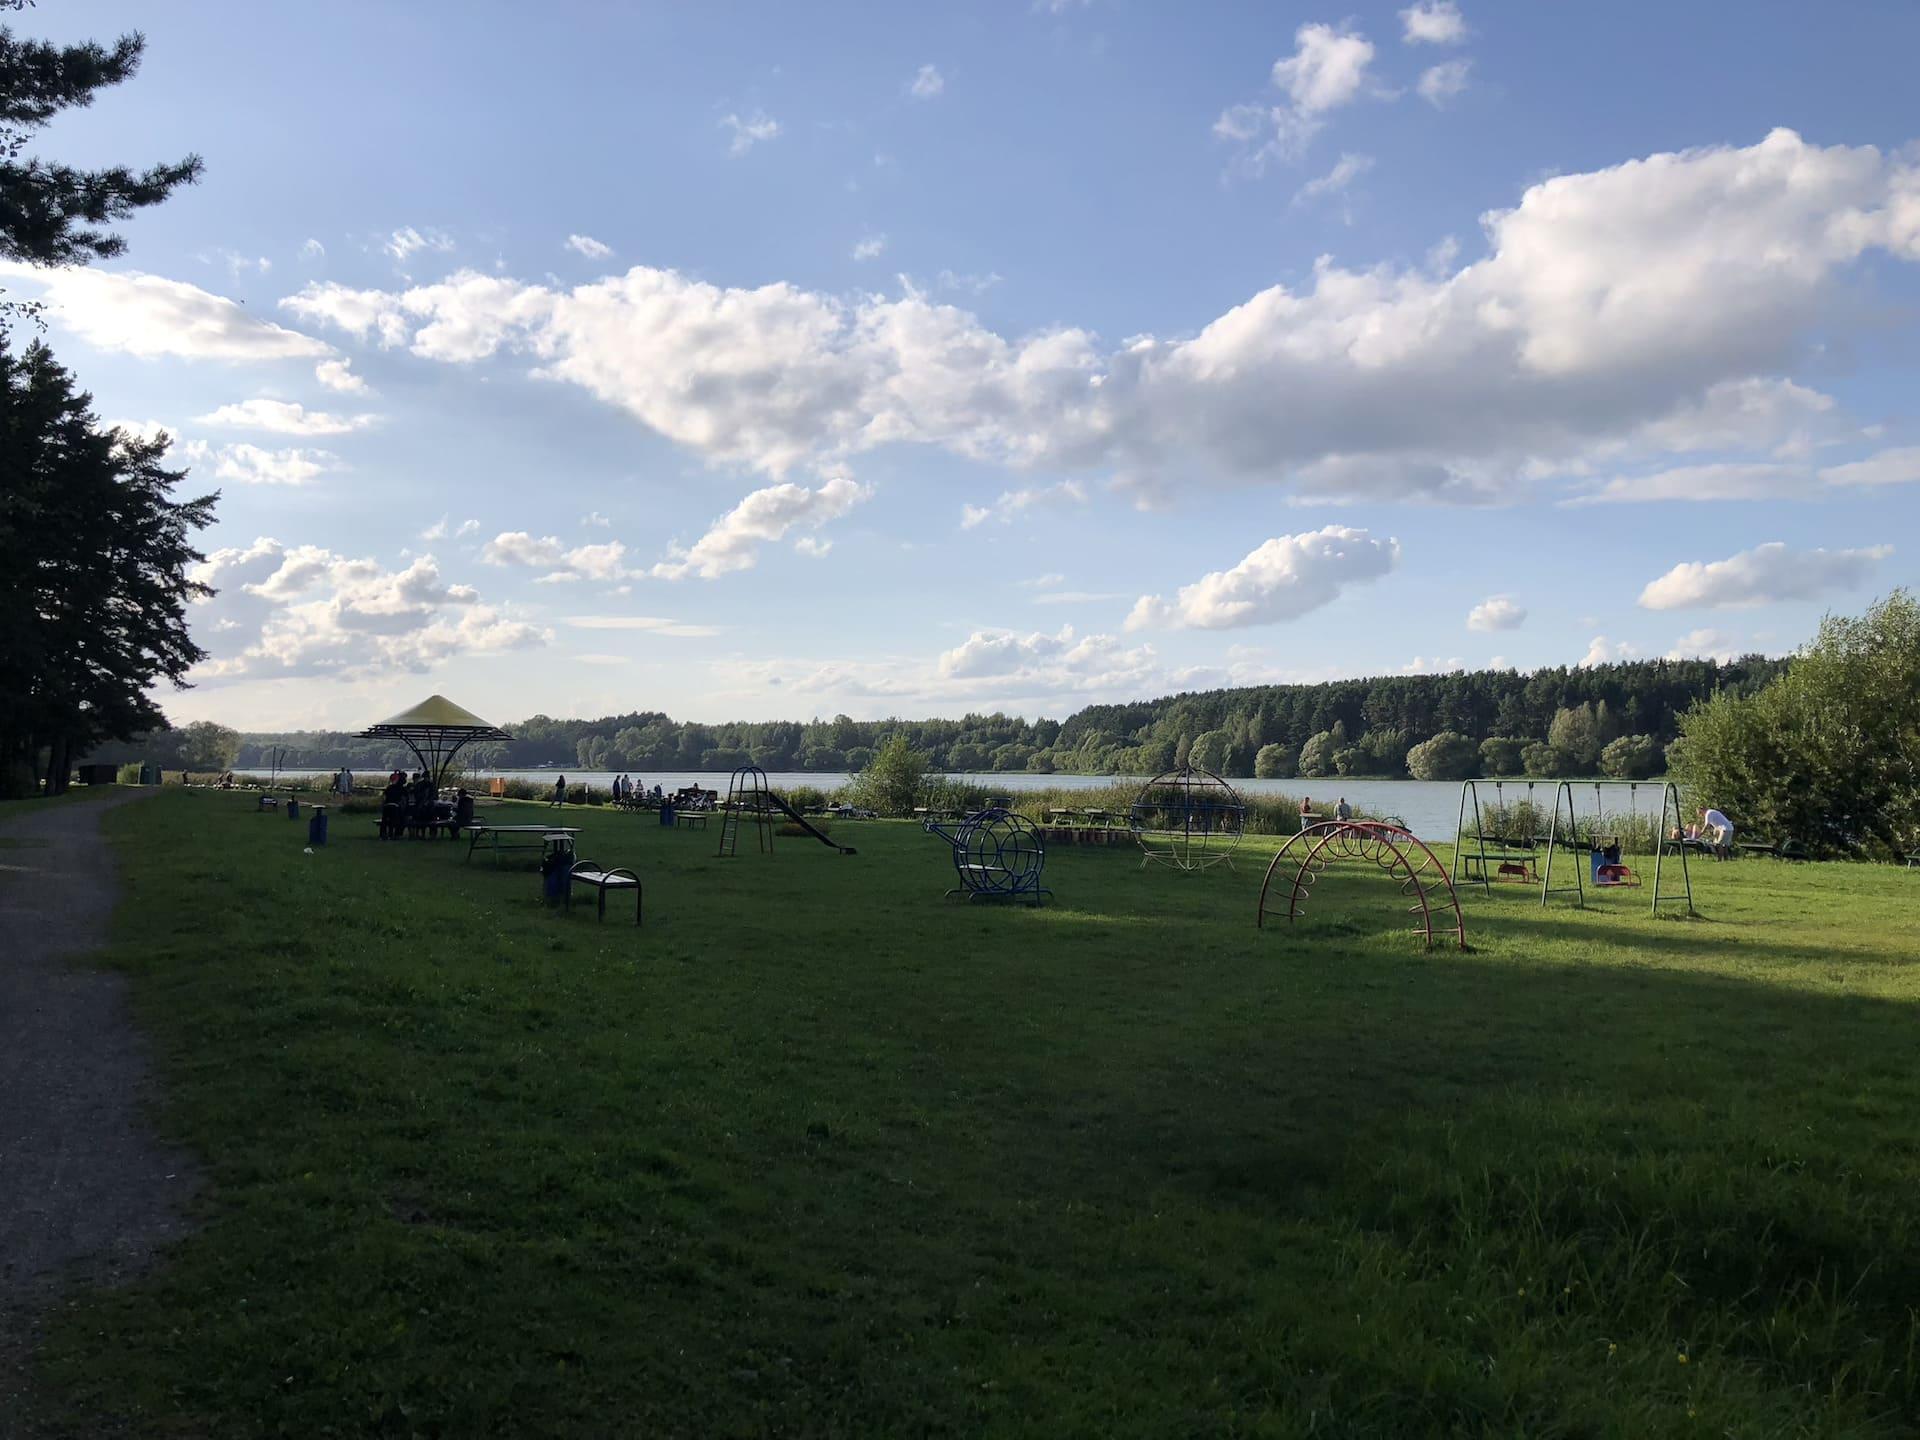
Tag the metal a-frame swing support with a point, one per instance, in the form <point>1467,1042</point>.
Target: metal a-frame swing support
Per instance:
<point>1560,839</point>
<point>1669,803</point>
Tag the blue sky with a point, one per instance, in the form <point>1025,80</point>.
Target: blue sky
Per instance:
<point>745,361</point>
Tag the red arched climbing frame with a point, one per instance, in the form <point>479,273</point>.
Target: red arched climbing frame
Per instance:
<point>1404,858</point>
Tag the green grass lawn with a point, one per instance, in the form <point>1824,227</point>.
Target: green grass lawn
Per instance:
<point>817,1152</point>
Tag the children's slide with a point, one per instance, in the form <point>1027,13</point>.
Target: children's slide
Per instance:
<point>798,819</point>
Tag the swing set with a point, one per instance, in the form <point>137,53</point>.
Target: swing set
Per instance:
<point>1484,860</point>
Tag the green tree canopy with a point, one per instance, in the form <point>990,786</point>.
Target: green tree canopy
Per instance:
<point>1211,750</point>
<point>1631,757</point>
<point>95,555</point>
<point>890,783</point>
<point>1501,755</point>
<point>1828,754</point>
<point>52,214</point>
<point>1447,756</point>
<point>1274,762</point>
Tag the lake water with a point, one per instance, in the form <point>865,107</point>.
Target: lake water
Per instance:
<point>1429,807</point>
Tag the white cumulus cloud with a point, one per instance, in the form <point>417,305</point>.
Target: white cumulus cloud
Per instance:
<point>586,245</point>
<point>749,131</point>
<point>763,517</point>
<point>1280,580</point>
<point>869,247</point>
<point>1888,467</point>
<point>284,417</point>
<point>338,375</point>
<point>1496,612</point>
<point>1607,305</point>
<point>1761,576</point>
<point>1433,22</point>
<point>1440,83</point>
<point>407,242</point>
<point>1345,171</point>
<point>149,315</point>
<point>251,465</point>
<point>308,610</point>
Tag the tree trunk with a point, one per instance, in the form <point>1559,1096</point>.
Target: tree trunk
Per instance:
<point>59,765</point>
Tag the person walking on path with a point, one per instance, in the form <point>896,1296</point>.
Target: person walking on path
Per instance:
<point>559,790</point>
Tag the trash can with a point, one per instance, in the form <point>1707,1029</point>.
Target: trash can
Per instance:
<point>556,870</point>
<point>293,808</point>
<point>317,826</point>
<point>666,814</point>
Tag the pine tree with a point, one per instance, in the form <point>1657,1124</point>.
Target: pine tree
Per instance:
<point>95,559</point>
<point>52,214</point>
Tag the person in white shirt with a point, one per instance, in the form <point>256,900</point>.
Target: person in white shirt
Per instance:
<point>1722,829</point>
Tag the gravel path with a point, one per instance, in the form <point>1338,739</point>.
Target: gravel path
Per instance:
<point>87,1192</point>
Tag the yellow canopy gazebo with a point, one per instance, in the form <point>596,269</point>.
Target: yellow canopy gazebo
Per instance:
<point>435,730</point>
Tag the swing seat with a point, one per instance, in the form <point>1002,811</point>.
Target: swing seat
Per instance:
<point>1510,870</point>
<point>1615,875</point>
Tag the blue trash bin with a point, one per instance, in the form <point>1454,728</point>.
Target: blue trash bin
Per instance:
<point>666,815</point>
<point>293,808</point>
<point>556,871</point>
<point>317,826</point>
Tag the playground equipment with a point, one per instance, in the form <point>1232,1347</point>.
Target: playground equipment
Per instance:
<point>751,800</point>
<point>1189,819</point>
<point>997,854</point>
<point>1515,856</point>
<point>1393,848</point>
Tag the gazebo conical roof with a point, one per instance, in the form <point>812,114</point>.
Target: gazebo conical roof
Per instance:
<point>435,730</point>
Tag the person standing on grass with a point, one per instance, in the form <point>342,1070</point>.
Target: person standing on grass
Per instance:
<point>559,790</point>
<point>1722,829</point>
<point>1343,811</point>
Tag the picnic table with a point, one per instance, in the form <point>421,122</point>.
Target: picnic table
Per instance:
<point>692,819</point>
<point>516,837</point>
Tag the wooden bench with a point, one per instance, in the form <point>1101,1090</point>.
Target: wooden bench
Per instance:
<point>585,872</point>
<point>692,819</point>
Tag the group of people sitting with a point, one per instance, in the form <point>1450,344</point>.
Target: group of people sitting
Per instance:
<point>629,796</point>
<point>413,806</point>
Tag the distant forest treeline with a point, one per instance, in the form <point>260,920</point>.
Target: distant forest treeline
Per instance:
<point>1616,718</point>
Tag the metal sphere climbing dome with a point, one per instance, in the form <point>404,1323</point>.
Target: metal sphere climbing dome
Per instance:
<point>997,855</point>
<point>1189,819</point>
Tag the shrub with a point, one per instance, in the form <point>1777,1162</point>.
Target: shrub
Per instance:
<point>1211,750</point>
<point>1316,756</point>
<point>1274,762</point>
<point>1447,756</point>
<point>1829,753</point>
<point>1500,755</point>
<point>890,783</point>
<point>1631,757</point>
<point>1575,733</point>
<point>1540,758</point>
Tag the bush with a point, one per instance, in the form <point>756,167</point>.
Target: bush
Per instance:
<point>1316,756</point>
<point>1500,755</point>
<point>1211,750</point>
<point>1829,753</point>
<point>1540,758</point>
<point>128,774</point>
<point>890,783</point>
<point>1447,756</point>
<point>1631,757</point>
<point>1273,762</point>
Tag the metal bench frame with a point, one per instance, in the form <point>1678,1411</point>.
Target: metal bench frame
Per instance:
<point>602,879</point>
